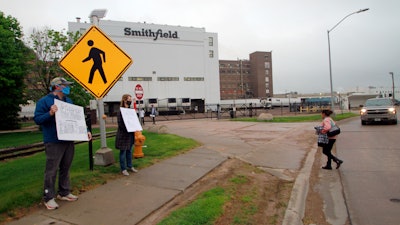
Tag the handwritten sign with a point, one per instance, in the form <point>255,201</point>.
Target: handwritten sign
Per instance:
<point>70,122</point>
<point>131,120</point>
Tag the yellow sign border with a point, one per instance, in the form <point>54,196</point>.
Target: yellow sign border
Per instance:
<point>105,92</point>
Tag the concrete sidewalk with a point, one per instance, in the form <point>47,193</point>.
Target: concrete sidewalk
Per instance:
<point>129,200</point>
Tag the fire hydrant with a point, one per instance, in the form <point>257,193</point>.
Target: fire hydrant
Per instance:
<point>139,141</point>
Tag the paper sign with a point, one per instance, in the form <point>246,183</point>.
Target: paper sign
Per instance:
<point>131,120</point>
<point>70,122</point>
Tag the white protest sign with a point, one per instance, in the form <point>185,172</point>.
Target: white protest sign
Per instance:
<point>70,122</point>
<point>131,120</point>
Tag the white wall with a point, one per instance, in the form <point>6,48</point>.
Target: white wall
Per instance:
<point>186,56</point>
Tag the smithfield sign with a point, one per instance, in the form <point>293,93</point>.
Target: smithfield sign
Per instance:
<point>150,33</point>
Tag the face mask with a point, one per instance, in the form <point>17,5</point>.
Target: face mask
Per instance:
<point>129,103</point>
<point>66,90</point>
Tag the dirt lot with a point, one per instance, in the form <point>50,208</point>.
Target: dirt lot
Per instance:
<point>269,195</point>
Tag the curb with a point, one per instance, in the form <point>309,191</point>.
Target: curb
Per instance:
<point>295,211</point>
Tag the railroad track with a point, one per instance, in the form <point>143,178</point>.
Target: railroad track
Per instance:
<point>8,153</point>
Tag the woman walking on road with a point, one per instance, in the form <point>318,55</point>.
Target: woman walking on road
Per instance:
<point>326,125</point>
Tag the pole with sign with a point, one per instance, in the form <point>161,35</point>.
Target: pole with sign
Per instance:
<point>97,63</point>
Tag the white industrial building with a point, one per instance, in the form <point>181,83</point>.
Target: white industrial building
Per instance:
<point>169,62</point>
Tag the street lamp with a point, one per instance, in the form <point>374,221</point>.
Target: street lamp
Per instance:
<point>329,49</point>
<point>96,15</point>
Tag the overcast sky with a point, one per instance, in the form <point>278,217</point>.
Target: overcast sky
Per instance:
<point>365,47</point>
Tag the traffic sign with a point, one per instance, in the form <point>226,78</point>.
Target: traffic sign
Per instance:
<point>139,91</point>
<point>96,62</point>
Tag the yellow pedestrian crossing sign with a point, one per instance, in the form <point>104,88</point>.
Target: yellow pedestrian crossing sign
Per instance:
<point>96,62</point>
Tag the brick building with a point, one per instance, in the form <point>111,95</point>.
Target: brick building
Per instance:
<point>252,78</point>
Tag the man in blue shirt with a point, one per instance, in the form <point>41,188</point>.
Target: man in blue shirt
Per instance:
<point>59,153</point>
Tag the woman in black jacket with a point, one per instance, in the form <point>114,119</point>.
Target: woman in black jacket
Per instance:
<point>124,139</point>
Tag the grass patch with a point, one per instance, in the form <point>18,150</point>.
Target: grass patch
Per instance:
<point>240,179</point>
<point>21,178</point>
<point>27,124</point>
<point>204,210</point>
<point>209,206</point>
<point>298,118</point>
<point>252,197</point>
<point>8,140</point>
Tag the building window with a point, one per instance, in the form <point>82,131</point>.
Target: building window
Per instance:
<point>267,65</point>
<point>210,41</point>
<point>140,78</point>
<point>211,54</point>
<point>167,78</point>
<point>193,78</point>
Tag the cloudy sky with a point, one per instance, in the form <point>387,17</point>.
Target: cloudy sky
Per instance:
<point>365,47</point>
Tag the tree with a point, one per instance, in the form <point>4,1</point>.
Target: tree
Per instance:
<point>50,46</point>
<point>14,56</point>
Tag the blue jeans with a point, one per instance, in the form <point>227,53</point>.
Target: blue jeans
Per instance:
<point>125,159</point>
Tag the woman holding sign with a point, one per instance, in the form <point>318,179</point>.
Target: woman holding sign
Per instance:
<point>124,139</point>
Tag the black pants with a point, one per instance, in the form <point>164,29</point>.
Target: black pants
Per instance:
<point>327,150</point>
<point>59,158</point>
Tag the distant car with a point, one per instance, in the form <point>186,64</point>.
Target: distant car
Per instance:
<point>378,110</point>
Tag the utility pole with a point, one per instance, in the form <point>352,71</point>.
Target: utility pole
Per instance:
<point>391,73</point>
<point>104,156</point>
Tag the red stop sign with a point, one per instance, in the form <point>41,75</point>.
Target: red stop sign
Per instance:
<point>139,91</point>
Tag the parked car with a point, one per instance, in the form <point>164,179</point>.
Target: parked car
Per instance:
<point>378,110</point>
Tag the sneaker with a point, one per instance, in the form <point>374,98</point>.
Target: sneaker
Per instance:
<point>133,170</point>
<point>51,204</point>
<point>124,172</point>
<point>70,197</point>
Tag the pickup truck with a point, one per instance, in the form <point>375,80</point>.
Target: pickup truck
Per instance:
<point>378,110</point>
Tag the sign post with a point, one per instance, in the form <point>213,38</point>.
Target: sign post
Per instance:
<point>97,63</point>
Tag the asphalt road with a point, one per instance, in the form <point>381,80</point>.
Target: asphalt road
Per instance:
<point>371,171</point>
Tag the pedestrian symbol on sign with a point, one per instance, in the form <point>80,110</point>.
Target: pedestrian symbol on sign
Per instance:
<point>96,54</point>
